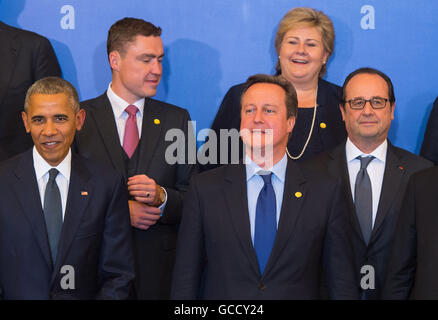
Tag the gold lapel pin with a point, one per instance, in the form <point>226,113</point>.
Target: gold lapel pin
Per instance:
<point>157,121</point>
<point>298,194</point>
<point>84,193</point>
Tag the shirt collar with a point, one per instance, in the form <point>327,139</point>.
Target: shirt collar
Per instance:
<point>279,169</point>
<point>353,152</point>
<point>119,105</point>
<point>42,167</point>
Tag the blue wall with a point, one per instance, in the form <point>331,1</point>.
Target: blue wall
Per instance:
<point>212,45</point>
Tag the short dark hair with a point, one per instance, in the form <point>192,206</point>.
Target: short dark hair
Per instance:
<point>291,94</point>
<point>125,31</point>
<point>53,85</point>
<point>391,96</point>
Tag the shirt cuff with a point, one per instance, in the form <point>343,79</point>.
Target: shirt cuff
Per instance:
<point>164,203</point>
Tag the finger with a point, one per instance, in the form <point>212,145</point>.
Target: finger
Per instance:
<point>146,217</point>
<point>141,179</point>
<point>151,194</point>
<point>142,226</point>
<point>142,187</point>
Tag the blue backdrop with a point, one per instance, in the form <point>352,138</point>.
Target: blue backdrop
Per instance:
<point>212,45</point>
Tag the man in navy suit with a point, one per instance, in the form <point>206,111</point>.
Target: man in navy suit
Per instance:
<point>264,229</point>
<point>64,221</point>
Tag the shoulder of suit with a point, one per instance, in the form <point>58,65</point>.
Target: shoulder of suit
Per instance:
<point>26,35</point>
<point>96,169</point>
<point>165,106</point>
<point>330,87</point>
<point>406,157</point>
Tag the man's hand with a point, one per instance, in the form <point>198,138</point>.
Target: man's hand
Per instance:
<point>144,189</point>
<point>142,215</point>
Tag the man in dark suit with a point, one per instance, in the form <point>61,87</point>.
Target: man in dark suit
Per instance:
<point>26,58</point>
<point>413,263</point>
<point>264,229</point>
<point>126,129</point>
<point>64,226</point>
<point>367,109</point>
<point>429,148</point>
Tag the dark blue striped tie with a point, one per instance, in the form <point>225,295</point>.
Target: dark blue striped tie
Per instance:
<point>265,222</point>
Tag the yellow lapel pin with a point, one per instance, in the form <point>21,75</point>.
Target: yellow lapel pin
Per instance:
<point>298,194</point>
<point>157,121</point>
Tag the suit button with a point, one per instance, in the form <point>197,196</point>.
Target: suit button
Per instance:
<point>262,286</point>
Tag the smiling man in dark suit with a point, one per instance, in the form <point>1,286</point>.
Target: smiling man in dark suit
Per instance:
<point>64,225</point>
<point>374,172</point>
<point>264,229</point>
<point>25,58</point>
<point>126,130</point>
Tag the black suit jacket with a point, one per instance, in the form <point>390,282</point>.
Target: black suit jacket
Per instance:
<point>429,148</point>
<point>329,97</point>
<point>214,242</point>
<point>95,240</point>
<point>25,58</point>
<point>99,140</point>
<point>400,165</point>
<point>414,259</point>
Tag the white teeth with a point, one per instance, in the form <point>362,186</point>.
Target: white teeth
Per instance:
<point>300,61</point>
<point>50,143</point>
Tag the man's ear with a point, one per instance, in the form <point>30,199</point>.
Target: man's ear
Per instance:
<point>24,117</point>
<point>114,60</point>
<point>80,118</point>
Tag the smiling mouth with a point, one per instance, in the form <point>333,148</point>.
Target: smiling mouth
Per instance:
<point>300,61</point>
<point>50,144</point>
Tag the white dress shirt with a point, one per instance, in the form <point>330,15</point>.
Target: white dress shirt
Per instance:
<point>255,183</point>
<point>375,169</point>
<point>62,179</point>
<point>120,115</point>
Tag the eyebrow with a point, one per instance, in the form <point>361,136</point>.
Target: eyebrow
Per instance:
<point>294,37</point>
<point>150,55</point>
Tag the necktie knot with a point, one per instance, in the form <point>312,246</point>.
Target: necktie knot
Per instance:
<point>131,110</point>
<point>365,161</point>
<point>53,173</point>
<point>266,177</point>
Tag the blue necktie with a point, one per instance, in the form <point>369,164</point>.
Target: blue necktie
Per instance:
<point>265,222</point>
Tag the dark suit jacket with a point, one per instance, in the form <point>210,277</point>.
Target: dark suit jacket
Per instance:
<point>99,140</point>
<point>400,164</point>
<point>429,148</point>
<point>329,97</point>
<point>214,241</point>
<point>414,259</point>
<point>95,240</point>
<point>25,58</point>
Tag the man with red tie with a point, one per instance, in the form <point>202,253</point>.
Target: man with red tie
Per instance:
<point>126,129</point>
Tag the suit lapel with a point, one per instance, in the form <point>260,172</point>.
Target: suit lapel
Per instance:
<point>390,187</point>
<point>236,199</point>
<point>290,210</point>
<point>106,124</point>
<point>9,50</point>
<point>337,167</point>
<point>150,133</point>
<point>26,190</point>
<point>77,202</point>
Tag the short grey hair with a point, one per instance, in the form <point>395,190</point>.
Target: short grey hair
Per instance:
<point>54,85</point>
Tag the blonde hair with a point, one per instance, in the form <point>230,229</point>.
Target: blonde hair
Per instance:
<point>312,18</point>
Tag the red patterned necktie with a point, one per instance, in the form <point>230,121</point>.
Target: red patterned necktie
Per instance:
<point>130,140</point>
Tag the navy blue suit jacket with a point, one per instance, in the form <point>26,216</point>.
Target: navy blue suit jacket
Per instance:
<point>215,254</point>
<point>95,240</point>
